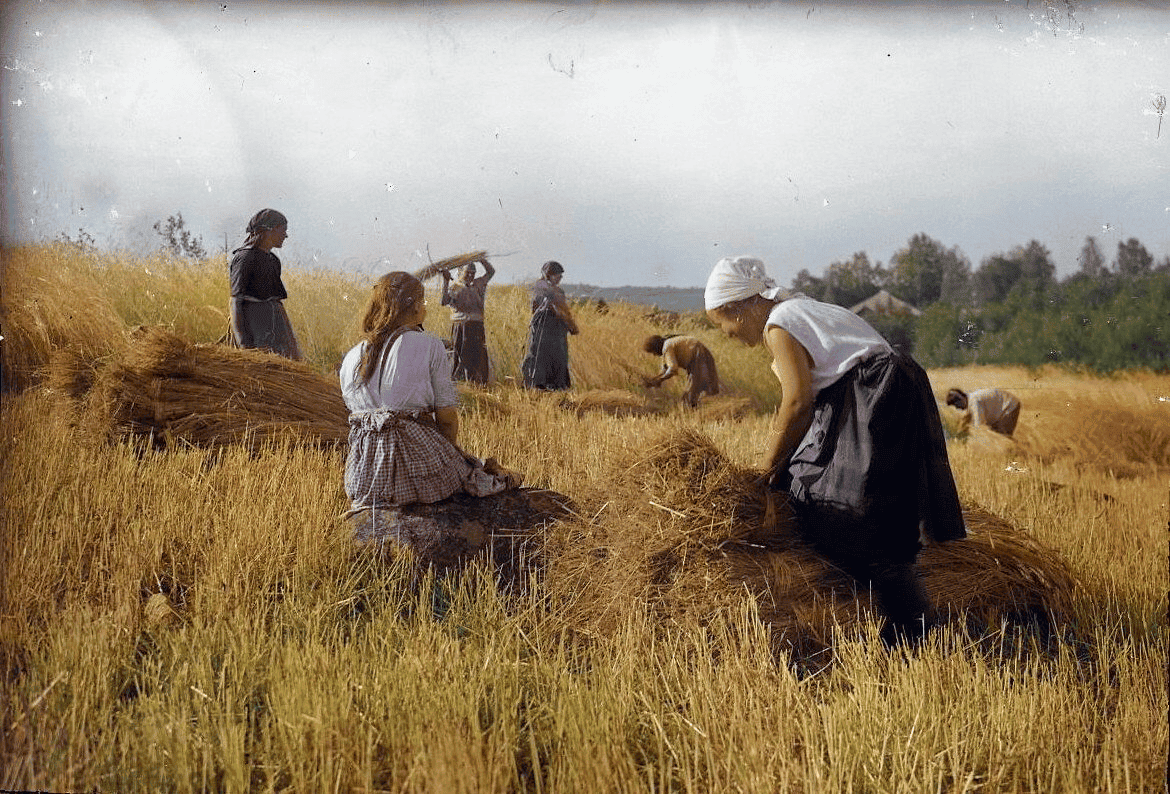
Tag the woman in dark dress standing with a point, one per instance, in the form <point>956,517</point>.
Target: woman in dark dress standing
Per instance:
<point>258,318</point>
<point>547,364</point>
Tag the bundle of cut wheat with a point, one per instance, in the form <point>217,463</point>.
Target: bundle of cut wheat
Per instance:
<point>71,372</point>
<point>612,402</point>
<point>167,389</point>
<point>450,263</point>
<point>683,536</point>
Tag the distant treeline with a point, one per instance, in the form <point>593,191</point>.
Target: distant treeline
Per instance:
<point>1108,315</point>
<point>1011,309</point>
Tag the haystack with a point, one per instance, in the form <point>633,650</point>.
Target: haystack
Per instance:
<point>171,391</point>
<point>683,537</point>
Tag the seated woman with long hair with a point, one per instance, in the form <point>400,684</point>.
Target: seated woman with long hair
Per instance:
<point>404,418</point>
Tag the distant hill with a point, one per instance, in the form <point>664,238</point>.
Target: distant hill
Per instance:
<point>671,299</point>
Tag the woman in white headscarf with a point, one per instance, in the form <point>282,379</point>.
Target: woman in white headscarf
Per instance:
<point>857,445</point>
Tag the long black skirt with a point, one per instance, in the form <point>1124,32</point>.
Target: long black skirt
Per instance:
<point>471,356</point>
<point>873,468</point>
<point>267,327</point>
<point>546,365</point>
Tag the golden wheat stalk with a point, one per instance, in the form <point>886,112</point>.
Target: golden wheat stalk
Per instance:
<point>448,264</point>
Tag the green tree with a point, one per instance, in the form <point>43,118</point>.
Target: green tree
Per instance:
<point>1090,262</point>
<point>809,284</point>
<point>1035,288</point>
<point>852,281</point>
<point>947,335</point>
<point>1133,259</point>
<point>994,279</point>
<point>920,272</point>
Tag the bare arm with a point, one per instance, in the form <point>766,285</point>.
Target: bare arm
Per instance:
<point>448,422</point>
<point>446,299</point>
<point>488,271</point>
<point>792,366</point>
<point>669,369</point>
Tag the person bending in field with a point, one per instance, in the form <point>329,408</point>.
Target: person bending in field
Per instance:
<point>688,354</point>
<point>857,445</point>
<point>994,408</point>
<point>404,417</point>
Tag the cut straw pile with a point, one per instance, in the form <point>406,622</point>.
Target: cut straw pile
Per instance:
<point>450,263</point>
<point>681,535</point>
<point>611,402</point>
<point>171,391</point>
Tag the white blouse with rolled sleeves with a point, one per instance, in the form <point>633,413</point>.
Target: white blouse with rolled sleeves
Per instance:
<point>415,376</point>
<point>835,338</point>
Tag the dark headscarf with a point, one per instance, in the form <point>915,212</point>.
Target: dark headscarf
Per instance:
<point>957,398</point>
<point>261,222</point>
<point>551,268</point>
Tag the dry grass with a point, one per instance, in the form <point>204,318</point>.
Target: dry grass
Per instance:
<point>199,618</point>
<point>683,531</point>
<point>52,299</point>
<point>1120,423</point>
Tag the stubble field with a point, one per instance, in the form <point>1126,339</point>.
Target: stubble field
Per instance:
<point>191,619</point>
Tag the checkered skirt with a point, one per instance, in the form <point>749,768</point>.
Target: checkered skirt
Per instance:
<point>395,460</point>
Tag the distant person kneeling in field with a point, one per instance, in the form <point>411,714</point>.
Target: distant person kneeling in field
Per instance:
<point>258,318</point>
<point>686,353</point>
<point>993,408</point>
<point>857,445</point>
<point>404,422</point>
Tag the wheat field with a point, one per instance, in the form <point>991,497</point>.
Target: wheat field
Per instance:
<point>194,618</point>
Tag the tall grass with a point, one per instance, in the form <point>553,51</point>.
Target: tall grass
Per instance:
<point>197,619</point>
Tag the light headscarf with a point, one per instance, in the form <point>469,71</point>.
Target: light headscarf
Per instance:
<point>736,278</point>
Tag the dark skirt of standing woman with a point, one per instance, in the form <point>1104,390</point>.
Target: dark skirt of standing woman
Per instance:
<point>546,366</point>
<point>471,358</point>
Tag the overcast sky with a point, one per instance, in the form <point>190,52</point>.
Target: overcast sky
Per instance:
<point>636,143</point>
